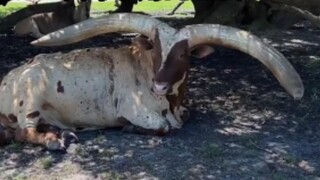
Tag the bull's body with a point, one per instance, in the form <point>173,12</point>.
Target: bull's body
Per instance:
<point>41,24</point>
<point>85,89</point>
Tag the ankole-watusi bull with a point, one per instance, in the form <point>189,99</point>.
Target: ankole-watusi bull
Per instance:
<point>44,23</point>
<point>125,87</point>
<point>82,90</point>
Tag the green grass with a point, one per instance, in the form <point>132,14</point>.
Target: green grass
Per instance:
<point>10,8</point>
<point>144,6</point>
<point>290,159</point>
<point>46,162</point>
<point>213,150</point>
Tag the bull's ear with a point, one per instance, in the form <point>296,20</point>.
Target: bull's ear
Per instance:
<point>142,42</point>
<point>154,35</point>
<point>155,38</point>
<point>201,51</point>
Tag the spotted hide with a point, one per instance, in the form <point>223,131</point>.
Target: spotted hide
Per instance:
<point>83,90</point>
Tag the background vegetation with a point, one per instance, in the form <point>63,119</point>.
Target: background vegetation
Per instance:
<point>145,6</point>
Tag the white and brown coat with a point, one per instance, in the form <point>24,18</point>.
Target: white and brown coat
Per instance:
<point>83,90</point>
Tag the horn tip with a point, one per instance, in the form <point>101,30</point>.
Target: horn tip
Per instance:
<point>43,41</point>
<point>35,42</point>
<point>298,94</point>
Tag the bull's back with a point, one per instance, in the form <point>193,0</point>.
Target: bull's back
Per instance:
<point>84,88</point>
<point>72,89</point>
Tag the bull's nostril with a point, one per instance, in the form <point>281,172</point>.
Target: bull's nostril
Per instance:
<point>164,87</point>
<point>160,87</point>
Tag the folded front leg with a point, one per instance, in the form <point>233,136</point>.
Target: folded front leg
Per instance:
<point>47,139</point>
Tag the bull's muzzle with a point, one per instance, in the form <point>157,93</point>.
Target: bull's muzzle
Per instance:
<point>160,88</point>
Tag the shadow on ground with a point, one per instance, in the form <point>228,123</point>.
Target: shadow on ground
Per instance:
<point>243,124</point>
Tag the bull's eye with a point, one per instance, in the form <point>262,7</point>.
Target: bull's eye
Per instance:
<point>182,56</point>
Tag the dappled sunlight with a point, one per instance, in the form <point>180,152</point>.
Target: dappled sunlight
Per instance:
<point>302,42</point>
<point>236,131</point>
<point>306,166</point>
<point>277,153</point>
<point>243,124</point>
<point>240,105</point>
<point>96,156</point>
<point>294,43</point>
<point>289,41</point>
<point>244,121</point>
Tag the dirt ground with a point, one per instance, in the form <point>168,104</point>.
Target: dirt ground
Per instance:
<point>243,125</point>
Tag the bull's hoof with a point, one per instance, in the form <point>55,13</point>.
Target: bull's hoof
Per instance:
<point>56,145</point>
<point>68,137</point>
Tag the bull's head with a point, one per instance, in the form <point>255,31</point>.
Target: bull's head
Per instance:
<point>171,47</point>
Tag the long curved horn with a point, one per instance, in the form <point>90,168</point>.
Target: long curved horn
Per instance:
<point>121,22</point>
<point>249,44</point>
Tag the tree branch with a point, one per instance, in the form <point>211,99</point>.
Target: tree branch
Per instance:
<point>310,5</point>
<point>298,7</point>
<point>315,20</point>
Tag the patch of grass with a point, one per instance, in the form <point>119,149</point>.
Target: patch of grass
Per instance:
<point>213,150</point>
<point>111,175</point>
<point>100,139</point>
<point>19,177</point>
<point>247,141</point>
<point>313,65</point>
<point>290,159</point>
<point>278,176</point>
<point>315,95</point>
<point>311,108</point>
<point>145,6</point>
<point>307,110</point>
<point>10,8</point>
<point>81,151</point>
<point>46,162</point>
<point>15,145</point>
<point>108,153</point>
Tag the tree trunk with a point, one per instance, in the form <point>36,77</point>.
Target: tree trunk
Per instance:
<point>4,2</point>
<point>202,9</point>
<point>254,14</point>
<point>12,19</point>
<point>225,12</point>
<point>126,6</point>
<point>176,7</point>
<point>310,5</point>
